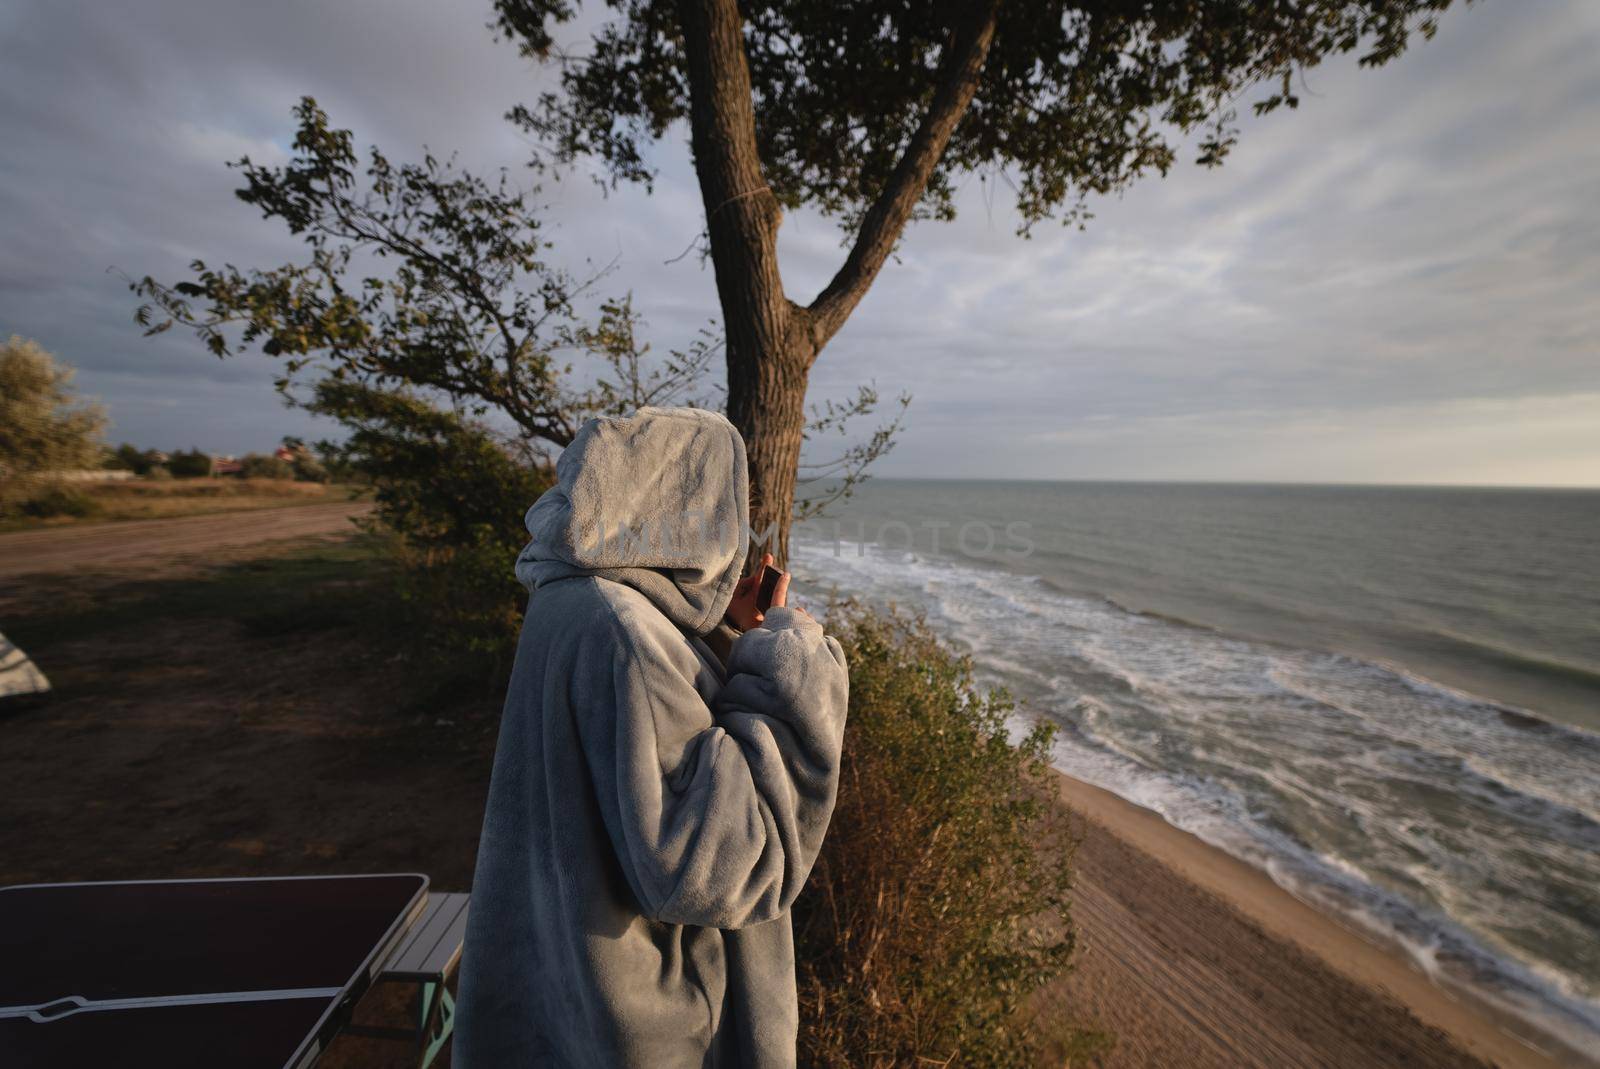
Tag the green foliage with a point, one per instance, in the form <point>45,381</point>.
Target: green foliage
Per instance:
<point>837,478</point>
<point>470,313</point>
<point>128,457</point>
<point>470,310</point>
<point>450,495</point>
<point>940,901</point>
<point>264,466</point>
<point>191,465</point>
<point>55,499</point>
<point>336,466</point>
<point>43,427</point>
<point>462,335</point>
<point>631,379</point>
<point>308,469</point>
<point>1074,99</point>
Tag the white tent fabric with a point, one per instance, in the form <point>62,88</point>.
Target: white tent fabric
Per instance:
<point>18,675</point>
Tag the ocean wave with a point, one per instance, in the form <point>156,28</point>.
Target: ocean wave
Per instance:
<point>1458,828</point>
<point>1521,660</point>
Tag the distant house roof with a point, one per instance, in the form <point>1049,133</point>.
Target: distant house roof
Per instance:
<point>228,466</point>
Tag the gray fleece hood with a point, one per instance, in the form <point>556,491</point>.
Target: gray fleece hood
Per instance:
<point>658,501</point>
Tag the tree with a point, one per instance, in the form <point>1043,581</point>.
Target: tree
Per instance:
<point>447,364</point>
<point>870,110</point>
<point>263,466</point>
<point>447,485</point>
<point>44,428</point>
<point>308,469</point>
<point>470,313</point>
<point>471,310</point>
<point>129,457</point>
<point>191,465</point>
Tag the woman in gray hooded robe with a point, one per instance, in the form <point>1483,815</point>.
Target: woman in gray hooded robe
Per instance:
<point>654,810</point>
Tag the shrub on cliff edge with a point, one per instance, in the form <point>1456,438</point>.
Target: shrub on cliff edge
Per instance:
<point>940,902</point>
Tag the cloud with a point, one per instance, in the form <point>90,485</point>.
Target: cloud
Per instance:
<point>1543,441</point>
<point>1417,240</point>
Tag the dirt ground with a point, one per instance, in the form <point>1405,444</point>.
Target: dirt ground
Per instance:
<point>151,499</point>
<point>230,720</point>
<point>113,545</point>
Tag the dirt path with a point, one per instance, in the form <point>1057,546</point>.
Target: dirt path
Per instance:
<point>115,544</point>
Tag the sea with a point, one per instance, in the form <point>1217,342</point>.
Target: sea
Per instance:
<point>1387,698</point>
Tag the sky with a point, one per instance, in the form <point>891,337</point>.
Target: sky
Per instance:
<point>1399,282</point>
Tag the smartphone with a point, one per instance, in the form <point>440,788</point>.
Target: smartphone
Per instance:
<point>768,587</point>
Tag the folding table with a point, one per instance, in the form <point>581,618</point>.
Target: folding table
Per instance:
<point>255,973</point>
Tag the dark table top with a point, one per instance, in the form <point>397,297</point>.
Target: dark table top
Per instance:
<point>242,973</point>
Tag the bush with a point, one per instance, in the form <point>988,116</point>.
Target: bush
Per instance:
<point>338,467</point>
<point>462,609</point>
<point>54,499</point>
<point>191,465</point>
<point>308,469</point>
<point>940,902</point>
<point>264,466</point>
<point>450,498</point>
<point>128,457</point>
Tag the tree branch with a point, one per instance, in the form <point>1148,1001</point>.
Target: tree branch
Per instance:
<point>959,72</point>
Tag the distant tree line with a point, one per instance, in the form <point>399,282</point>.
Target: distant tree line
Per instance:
<point>291,460</point>
<point>49,436</point>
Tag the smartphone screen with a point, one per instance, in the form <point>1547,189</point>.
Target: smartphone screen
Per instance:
<point>768,587</point>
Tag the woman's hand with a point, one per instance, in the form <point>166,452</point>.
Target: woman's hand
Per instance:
<point>743,614</point>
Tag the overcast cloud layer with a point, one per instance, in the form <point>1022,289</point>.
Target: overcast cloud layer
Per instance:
<point>1397,283</point>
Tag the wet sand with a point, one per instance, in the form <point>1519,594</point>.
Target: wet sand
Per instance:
<point>1193,958</point>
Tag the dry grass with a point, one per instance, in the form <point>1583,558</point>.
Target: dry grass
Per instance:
<point>149,499</point>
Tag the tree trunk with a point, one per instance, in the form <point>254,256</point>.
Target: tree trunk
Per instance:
<point>766,401</point>
<point>769,357</point>
<point>771,341</point>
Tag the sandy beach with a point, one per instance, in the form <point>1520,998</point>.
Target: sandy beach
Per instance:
<point>1191,957</point>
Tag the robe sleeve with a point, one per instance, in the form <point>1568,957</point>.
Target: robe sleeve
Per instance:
<point>717,812</point>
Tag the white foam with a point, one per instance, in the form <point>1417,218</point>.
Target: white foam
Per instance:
<point>1412,810</point>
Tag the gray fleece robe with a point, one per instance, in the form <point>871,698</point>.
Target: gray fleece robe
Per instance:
<point>652,814</point>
